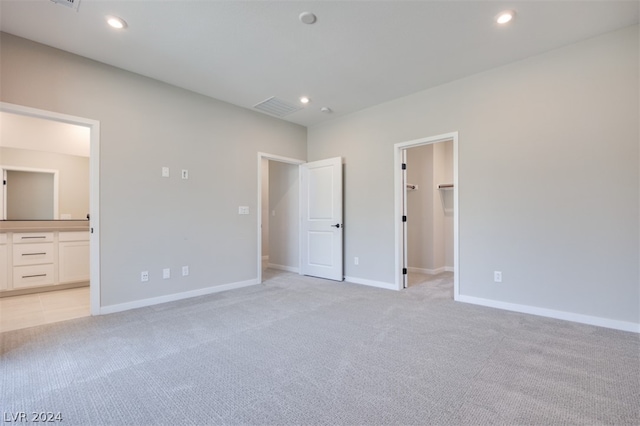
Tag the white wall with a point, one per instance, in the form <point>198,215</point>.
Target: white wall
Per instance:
<point>264,167</point>
<point>420,211</point>
<point>548,178</point>
<point>149,222</point>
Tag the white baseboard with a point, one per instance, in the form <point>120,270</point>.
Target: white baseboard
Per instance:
<point>371,283</point>
<point>173,297</point>
<point>431,271</point>
<point>550,313</point>
<point>283,268</point>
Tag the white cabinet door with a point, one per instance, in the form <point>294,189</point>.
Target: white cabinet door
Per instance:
<point>4,267</point>
<point>73,258</point>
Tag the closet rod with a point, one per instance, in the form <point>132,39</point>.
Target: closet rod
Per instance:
<point>445,185</point>
<point>412,186</point>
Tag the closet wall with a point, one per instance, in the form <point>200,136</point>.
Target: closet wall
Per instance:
<point>280,222</point>
<point>429,209</point>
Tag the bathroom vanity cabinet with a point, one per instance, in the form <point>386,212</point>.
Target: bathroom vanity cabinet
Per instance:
<point>40,258</point>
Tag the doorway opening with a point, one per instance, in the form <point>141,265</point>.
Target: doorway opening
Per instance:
<point>69,254</point>
<point>278,217</point>
<point>426,199</point>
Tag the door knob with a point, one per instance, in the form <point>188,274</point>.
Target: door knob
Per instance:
<point>337,225</point>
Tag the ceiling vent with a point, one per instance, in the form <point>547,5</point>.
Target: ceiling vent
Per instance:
<point>72,4</point>
<point>277,107</point>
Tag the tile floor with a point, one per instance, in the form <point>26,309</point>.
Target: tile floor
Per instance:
<point>43,308</point>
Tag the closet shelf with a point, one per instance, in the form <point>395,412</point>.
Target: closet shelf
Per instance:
<point>445,186</point>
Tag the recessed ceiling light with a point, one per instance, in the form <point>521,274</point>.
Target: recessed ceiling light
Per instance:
<point>305,100</point>
<point>117,23</point>
<point>307,18</point>
<point>506,16</point>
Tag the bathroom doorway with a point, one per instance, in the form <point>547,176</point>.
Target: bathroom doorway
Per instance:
<point>73,151</point>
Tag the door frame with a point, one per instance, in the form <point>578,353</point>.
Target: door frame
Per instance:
<point>398,151</point>
<point>94,185</point>
<point>281,159</point>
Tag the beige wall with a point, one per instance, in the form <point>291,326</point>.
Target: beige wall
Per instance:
<point>149,222</point>
<point>284,218</point>
<point>37,134</point>
<point>548,178</point>
<point>73,177</point>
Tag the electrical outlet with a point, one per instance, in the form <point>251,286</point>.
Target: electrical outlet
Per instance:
<point>243,210</point>
<point>497,276</point>
<point>185,174</point>
<point>166,273</point>
<point>356,261</point>
<point>185,271</point>
<point>144,276</point>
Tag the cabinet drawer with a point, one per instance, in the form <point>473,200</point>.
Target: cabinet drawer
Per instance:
<point>74,236</point>
<point>3,238</point>
<point>31,276</point>
<point>32,254</point>
<point>32,237</point>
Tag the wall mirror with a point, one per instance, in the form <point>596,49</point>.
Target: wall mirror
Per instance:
<point>30,194</point>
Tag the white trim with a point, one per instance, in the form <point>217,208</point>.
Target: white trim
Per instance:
<point>174,297</point>
<point>550,313</point>
<point>271,157</point>
<point>398,150</point>
<point>371,283</point>
<point>431,271</point>
<point>284,268</point>
<point>94,184</point>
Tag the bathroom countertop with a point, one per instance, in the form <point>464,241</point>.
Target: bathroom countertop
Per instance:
<point>43,225</point>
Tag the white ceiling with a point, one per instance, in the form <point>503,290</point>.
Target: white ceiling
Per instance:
<point>358,53</point>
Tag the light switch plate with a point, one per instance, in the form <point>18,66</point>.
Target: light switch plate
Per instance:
<point>185,174</point>
<point>243,210</point>
<point>165,172</point>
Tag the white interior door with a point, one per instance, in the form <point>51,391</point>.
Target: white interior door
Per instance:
<point>321,224</point>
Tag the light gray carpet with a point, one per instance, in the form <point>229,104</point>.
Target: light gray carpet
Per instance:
<point>298,350</point>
